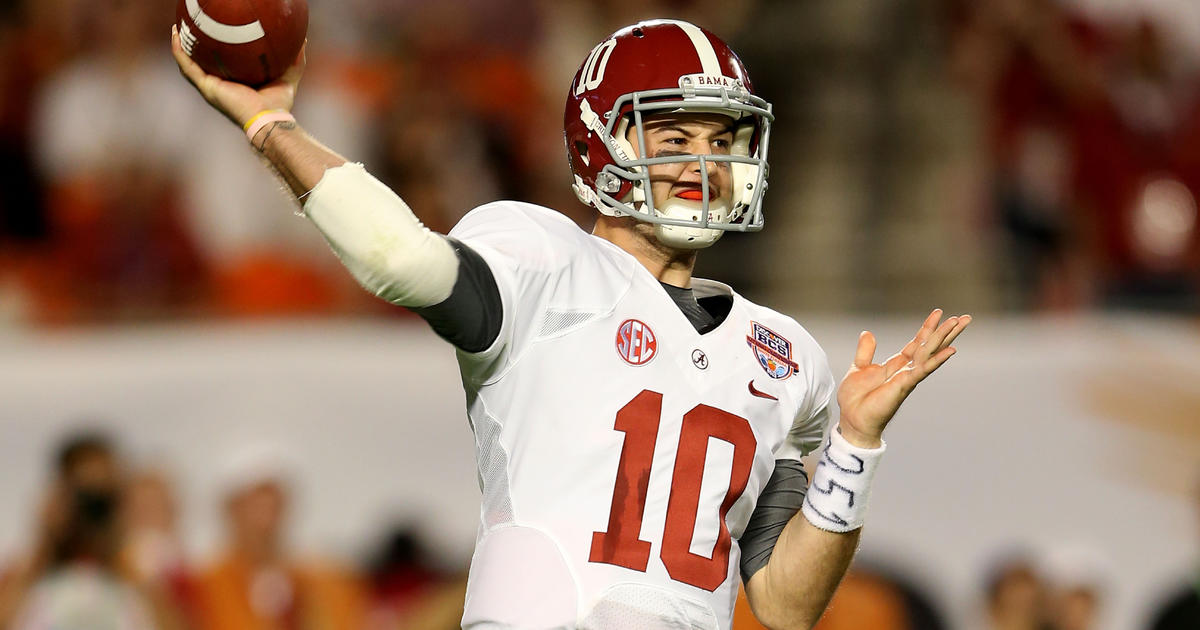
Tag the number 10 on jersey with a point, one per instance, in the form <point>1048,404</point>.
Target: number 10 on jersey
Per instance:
<point>621,544</point>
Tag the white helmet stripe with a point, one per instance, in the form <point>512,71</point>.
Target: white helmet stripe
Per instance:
<point>224,33</point>
<point>704,48</point>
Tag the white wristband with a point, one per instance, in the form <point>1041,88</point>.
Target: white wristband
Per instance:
<point>837,498</point>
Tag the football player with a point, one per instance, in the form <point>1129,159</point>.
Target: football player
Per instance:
<point>638,431</point>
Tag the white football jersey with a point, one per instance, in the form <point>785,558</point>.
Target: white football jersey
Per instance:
<point>620,452</point>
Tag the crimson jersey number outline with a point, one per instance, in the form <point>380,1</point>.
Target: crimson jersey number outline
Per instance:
<point>621,544</point>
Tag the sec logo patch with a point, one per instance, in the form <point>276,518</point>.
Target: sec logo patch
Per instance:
<point>636,343</point>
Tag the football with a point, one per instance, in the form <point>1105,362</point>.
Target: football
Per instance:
<point>248,41</point>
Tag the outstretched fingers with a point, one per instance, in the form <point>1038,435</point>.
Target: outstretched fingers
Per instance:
<point>906,355</point>
<point>963,322</point>
<point>942,352</point>
<point>926,329</point>
<point>933,343</point>
<point>937,360</point>
<point>931,321</point>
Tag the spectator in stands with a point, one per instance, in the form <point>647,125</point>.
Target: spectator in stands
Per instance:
<point>477,83</point>
<point>73,572</point>
<point>1015,596</point>
<point>409,590</point>
<point>1093,133</point>
<point>109,145</point>
<point>1075,607</point>
<point>1075,575</point>
<point>1032,69</point>
<point>36,36</point>
<point>257,583</point>
<point>1141,167</point>
<point>866,600</point>
<point>868,597</point>
<point>1181,610</point>
<point>21,213</point>
<point>152,550</point>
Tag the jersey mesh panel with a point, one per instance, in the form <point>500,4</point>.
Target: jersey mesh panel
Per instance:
<point>557,321</point>
<point>493,469</point>
<point>647,608</point>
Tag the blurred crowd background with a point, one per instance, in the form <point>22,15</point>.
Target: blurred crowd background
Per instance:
<point>1022,157</point>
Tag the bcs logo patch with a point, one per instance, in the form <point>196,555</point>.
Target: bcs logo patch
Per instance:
<point>774,353</point>
<point>636,343</point>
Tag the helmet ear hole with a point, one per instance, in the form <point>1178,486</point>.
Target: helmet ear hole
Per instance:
<point>581,148</point>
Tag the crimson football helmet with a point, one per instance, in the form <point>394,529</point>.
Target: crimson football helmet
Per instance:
<point>661,66</point>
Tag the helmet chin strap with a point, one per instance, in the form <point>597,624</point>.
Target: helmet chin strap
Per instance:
<point>680,237</point>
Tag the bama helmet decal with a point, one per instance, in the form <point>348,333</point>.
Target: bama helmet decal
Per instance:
<point>774,353</point>
<point>636,343</point>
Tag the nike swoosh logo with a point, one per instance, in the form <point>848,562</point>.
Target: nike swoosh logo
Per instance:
<point>760,394</point>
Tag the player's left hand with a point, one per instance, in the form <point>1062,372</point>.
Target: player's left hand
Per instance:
<point>871,393</point>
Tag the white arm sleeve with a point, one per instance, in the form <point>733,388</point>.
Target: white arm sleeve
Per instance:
<point>379,239</point>
<point>808,428</point>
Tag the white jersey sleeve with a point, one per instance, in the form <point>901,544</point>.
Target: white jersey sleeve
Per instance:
<point>532,252</point>
<point>808,428</point>
<point>523,250</point>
